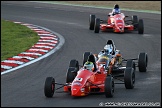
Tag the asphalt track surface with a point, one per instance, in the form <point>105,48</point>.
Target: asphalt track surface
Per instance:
<point>25,87</point>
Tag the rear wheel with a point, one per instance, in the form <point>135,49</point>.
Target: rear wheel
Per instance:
<point>91,22</point>
<point>49,87</point>
<point>142,62</point>
<point>135,21</point>
<point>70,76</point>
<point>85,56</point>
<point>140,26</point>
<point>74,63</point>
<point>97,25</point>
<point>109,86</point>
<point>129,78</point>
<point>131,63</point>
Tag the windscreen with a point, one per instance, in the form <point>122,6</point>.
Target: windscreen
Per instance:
<point>103,59</point>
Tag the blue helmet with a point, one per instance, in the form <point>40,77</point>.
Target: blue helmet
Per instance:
<point>116,9</point>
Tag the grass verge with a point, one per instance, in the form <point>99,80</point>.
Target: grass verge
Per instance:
<point>135,5</point>
<point>15,38</point>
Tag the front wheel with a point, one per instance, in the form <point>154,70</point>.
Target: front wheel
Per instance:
<point>142,62</point>
<point>97,25</point>
<point>109,86</point>
<point>140,26</point>
<point>91,22</point>
<point>49,87</point>
<point>129,78</point>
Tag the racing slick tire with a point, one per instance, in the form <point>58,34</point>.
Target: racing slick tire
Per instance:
<point>49,87</point>
<point>129,78</point>
<point>91,22</point>
<point>109,86</point>
<point>142,62</point>
<point>74,63</point>
<point>131,63</point>
<point>71,74</point>
<point>140,26</point>
<point>85,56</point>
<point>135,21</point>
<point>97,25</point>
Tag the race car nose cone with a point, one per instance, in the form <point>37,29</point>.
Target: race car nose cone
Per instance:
<point>121,29</point>
<point>75,92</point>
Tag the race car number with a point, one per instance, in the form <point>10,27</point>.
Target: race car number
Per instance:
<point>119,18</point>
<point>78,79</point>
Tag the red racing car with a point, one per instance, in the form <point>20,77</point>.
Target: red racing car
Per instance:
<point>117,23</point>
<point>81,82</point>
<point>97,75</point>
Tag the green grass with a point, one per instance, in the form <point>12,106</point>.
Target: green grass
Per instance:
<point>15,38</point>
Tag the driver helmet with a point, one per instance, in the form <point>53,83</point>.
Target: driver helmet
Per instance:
<point>116,9</point>
<point>108,49</point>
<point>89,66</point>
<point>116,6</point>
